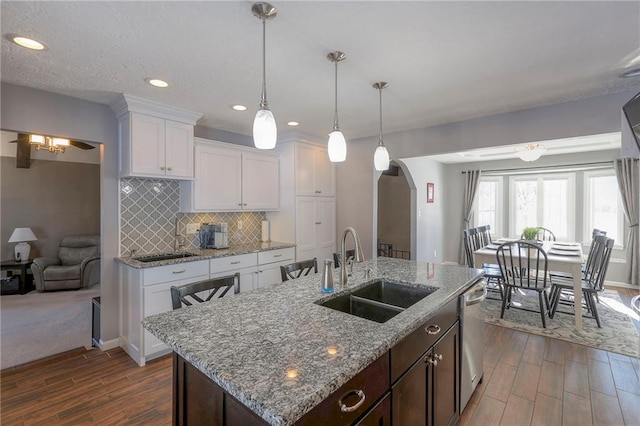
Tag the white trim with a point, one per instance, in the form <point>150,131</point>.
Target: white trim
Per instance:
<point>128,103</point>
<point>109,344</point>
<point>619,284</point>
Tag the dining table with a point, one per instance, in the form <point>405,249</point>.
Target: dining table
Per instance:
<point>562,256</point>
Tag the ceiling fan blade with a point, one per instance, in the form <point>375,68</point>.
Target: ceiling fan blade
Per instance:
<point>81,145</point>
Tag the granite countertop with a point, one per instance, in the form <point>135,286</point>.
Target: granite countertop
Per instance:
<point>248,343</point>
<point>201,254</point>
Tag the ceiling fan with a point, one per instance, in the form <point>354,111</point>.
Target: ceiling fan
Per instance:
<point>53,144</point>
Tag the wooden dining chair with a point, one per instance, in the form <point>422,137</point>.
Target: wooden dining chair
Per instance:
<point>204,291</point>
<point>472,242</point>
<point>592,280</point>
<point>545,234</point>
<point>299,269</point>
<point>524,266</point>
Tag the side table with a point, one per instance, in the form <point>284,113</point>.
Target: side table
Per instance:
<point>26,279</point>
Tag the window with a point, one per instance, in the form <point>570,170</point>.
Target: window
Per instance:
<point>602,205</point>
<point>488,209</point>
<point>543,200</point>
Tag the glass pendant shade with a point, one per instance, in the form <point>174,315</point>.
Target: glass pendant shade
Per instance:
<point>265,131</point>
<point>337,147</point>
<point>531,152</point>
<point>381,158</point>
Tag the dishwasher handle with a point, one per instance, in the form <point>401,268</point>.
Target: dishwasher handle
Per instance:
<point>476,294</point>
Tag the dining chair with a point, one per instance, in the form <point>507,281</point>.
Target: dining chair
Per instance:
<point>351,254</point>
<point>472,242</point>
<point>524,266</point>
<point>204,291</point>
<point>592,281</point>
<point>484,234</point>
<point>545,234</point>
<point>299,269</point>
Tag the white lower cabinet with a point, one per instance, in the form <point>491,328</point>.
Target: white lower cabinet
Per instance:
<point>146,292</point>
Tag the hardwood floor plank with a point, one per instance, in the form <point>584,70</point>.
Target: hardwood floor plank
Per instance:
<point>606,410</point>
<point>576,378</point>
<point>518,412</point>
<point>576,410</point>
<point>525,384</point>
<point>467,415</point>
<point>630,406</point>
<point>499,387</point>
<point>601,378</point>
<point>534,350</point>
<point>597,354</point>
<point>489,412</point>
<point>554,351</point>
<point>625,377</point>
<point>514,348</point>
<point>482,386</point>
<point>551,381</point>
<point>575,352</point>
<point>546,411</point>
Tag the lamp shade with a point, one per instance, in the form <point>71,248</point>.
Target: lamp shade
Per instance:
<point>22,234</point>
<point>265,131</point>
<point>381,158</point>
<point>337,147</point>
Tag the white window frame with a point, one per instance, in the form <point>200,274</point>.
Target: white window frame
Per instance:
<point>587,229</point>
<point>499,227</point>
<point>540,178</point>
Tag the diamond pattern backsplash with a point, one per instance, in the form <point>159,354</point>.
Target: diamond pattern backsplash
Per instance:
<point>149,209</point>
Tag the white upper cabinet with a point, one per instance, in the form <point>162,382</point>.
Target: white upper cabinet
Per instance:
<point>314,171</point>
<point>231,179</point>
<point>155,140</point>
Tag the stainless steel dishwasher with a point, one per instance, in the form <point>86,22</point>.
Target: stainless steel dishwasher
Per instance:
<point>472,337</point>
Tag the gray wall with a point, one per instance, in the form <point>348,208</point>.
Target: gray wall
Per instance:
<point>394,211</point>
<point>357,180</point>
<point>30,110</point>
<point>53,198</point>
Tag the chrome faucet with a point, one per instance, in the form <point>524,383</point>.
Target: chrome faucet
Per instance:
<point>359,256</point>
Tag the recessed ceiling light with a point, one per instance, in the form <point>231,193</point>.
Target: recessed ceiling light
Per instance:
<point>632,73</point>
<point>293,123</point>
<point>156,82</point>
<point>239,107</point>
<point>27,42</point>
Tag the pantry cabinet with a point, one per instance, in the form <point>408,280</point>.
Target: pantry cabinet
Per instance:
<point>155,140</point>
<point>314,171</point>
<point>315,228</point>
<point>231,179</point>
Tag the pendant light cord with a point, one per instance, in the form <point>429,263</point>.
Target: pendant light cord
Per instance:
<point>380,143</point>
<point>263,101</point>
<point>336,126</point>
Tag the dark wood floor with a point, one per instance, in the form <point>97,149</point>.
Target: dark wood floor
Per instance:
<point>529,380</point>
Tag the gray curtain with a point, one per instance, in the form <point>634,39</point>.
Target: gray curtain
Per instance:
<point>471,183</point>
<point>628,174</point>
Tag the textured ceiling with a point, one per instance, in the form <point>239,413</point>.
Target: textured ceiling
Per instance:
<point>444,61</point>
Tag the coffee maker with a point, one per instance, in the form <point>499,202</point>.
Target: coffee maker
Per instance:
<point>214,235</point>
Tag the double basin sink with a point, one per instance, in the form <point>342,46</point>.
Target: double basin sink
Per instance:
<point>379,300</point>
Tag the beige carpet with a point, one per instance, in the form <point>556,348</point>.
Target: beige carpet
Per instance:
<point>618,334</point>
<point>36,325</point>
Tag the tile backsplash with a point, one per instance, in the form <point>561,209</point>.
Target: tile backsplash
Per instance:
<point>149,209</point>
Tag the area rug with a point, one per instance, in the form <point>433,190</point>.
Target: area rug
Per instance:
<point>618,334</point>
<point>36,325</point>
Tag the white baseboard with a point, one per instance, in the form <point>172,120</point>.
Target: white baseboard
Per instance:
<point>620,284</point>
<point>109,344</point>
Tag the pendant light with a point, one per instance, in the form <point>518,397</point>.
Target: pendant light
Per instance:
<point>381,156</point>
<point>337,145</point>
<point>265,132</point>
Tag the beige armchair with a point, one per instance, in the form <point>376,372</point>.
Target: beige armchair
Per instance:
<point>77,265</point>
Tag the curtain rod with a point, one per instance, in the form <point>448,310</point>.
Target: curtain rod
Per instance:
<point>565,166</point>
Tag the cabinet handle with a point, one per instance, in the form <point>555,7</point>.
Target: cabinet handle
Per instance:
<point>318,192</point>
<point>344,408</point>
<point>169,168</point>
<point>244,204</point>
<point>240,204</point>
<point>318,223</point>
<point>235,263</point>
<point>277,255</point>
<point>433,329</point>
<point>162,168</point>
<point>433,359</point>
<point>180,271</point>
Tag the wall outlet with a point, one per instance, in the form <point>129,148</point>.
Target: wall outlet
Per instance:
<point>192,228</point>
<point>239,225</point>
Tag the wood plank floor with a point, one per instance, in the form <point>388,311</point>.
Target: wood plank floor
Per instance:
<point>529,380</point>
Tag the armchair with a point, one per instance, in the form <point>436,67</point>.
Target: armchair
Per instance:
<point>77,265</point>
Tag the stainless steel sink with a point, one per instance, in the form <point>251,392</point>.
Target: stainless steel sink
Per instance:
<point>168,256</point>
<point>378,301</point>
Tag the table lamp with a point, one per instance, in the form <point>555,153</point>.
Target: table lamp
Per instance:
<point>21,236</point>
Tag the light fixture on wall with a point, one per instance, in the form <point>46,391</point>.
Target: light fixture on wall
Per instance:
<point>22,249</point>
<point>530,152</point>
<point>381,156</point>
<point>265,131</point>
<point>337,145</point>
<point>53,145</point>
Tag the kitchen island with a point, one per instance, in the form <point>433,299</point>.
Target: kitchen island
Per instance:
<point>280,354</point>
